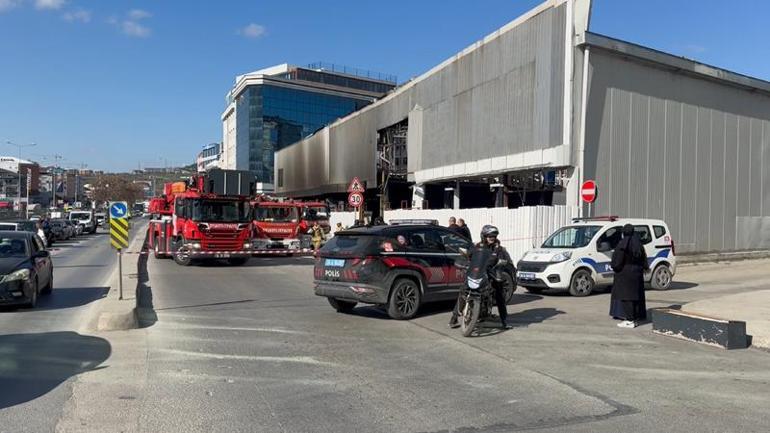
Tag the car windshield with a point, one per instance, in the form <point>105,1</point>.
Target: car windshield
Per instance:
<point>80,216</point>
<point>316,213</point>
<point>223,211</point>
<point>571,237</point>
<point>276,214</point>
<point>12,247</point>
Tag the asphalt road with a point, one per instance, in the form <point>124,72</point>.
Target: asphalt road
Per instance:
<point>252,349</point>
<point>42,350</point>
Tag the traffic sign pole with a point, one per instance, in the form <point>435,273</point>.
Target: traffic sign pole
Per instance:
<point>120,275</point>
<point>119,236</point>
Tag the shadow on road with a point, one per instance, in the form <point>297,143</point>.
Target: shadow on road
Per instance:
<point>681,285</point>
<point>599,291</point>
<point>31,365</point>
<point>434,308</point>
<point>71,297</point>
<point>145,308</point>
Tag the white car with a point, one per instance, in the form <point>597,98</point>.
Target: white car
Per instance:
<point>577,257</point>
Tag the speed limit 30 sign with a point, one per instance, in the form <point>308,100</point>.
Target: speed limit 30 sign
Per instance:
<point>355,199</point>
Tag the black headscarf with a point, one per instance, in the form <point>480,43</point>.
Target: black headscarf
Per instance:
<point>632,245</point>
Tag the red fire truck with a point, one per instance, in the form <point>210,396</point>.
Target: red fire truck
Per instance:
<point>287,224</point>
<point>206,218</point>
<point>276,224</point>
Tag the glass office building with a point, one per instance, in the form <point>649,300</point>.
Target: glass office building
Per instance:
<point>271,109</point>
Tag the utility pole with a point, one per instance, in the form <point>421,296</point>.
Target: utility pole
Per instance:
<point>56,158</point>
<point>18,168</point>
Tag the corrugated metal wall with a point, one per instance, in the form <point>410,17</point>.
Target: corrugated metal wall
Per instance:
<point>520,228</point>
<point>693,152</point>
<point>504,97</point>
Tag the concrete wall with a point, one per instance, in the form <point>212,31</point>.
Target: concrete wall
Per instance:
<point>496,100</point>
<point>694,152</point>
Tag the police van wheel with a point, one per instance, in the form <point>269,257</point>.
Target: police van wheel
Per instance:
<point>581,284</point>
<point>661,277</point>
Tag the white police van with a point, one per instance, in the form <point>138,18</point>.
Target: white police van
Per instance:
<point>577,257</point>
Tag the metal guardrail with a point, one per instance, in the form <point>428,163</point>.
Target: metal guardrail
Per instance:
<point>325,66</point>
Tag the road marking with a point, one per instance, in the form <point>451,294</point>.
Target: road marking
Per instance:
<point>227,328</point>
<point>279,359</point>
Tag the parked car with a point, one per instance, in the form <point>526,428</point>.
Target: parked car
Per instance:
<point>398,266</point>
<point>26,268</point>
<point>77,229</point>
<point>19,226</point>
<point>577,257</point>
<point>101,218</point>
<point>85,218</point>
<point>60,230</point>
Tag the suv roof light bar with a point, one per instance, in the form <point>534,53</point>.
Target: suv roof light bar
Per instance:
<point>597,218</point>
<point>402,222</point>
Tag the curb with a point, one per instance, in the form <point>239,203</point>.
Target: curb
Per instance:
<point>113,314</point>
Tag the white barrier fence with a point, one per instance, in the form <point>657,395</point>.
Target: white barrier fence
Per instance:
<point>520,228</point>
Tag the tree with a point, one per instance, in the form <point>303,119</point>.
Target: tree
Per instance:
<point>113,187</point>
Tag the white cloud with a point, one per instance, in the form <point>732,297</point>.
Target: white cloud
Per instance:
<point>130,25</point>
<point>49,4</point>
<point>80,15</point>
<point>253,31</point>
<point>6,5</point>
<point>138,14</point>
<point>134,29</point>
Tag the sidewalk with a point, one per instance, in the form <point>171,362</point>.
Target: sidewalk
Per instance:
<point>750,307</point>
<point>112,314</point>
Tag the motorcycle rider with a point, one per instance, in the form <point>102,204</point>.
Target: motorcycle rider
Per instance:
<point>489,240</point>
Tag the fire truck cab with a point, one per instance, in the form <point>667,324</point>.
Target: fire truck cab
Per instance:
<point>276,225</point>
<point>202,220</point>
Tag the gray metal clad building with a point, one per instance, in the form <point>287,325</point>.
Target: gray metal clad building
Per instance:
<point>517,119</point>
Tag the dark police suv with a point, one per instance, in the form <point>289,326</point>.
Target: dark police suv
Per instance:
<point>399,266</point>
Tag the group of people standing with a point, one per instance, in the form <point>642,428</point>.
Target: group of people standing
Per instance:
<point>458,226</point>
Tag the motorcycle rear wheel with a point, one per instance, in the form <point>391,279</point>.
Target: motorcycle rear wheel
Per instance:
<point>470,316</point>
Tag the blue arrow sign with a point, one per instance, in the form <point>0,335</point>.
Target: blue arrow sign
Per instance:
<point>118,210</point>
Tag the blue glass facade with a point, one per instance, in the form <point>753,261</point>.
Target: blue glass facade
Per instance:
<point>279,116</point>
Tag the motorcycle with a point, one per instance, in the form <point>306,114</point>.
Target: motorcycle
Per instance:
<point>479,294</point>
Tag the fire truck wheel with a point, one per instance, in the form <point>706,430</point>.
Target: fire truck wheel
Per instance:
<point>182,256</point>
<point>237,261</point>
<point>156,248</point>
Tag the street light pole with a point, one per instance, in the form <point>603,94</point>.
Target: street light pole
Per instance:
<point>18,168</point>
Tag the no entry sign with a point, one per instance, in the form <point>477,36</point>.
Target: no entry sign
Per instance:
<point>588,191</point>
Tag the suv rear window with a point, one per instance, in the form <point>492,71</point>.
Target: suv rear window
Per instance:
<point>350,244</point>
<point>11,227</point>
<point>660,231</point>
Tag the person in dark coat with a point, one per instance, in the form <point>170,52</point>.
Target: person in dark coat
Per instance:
<point>463,229</point>
<point>453,224</point>
<point>629,261</point>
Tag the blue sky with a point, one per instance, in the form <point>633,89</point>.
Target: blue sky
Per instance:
<point>115,84</point>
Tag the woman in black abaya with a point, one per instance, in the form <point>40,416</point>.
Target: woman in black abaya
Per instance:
<point>629,261</point>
